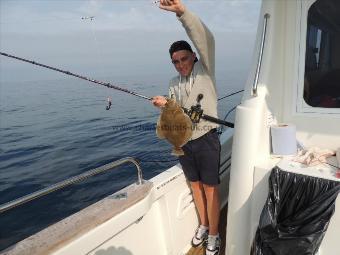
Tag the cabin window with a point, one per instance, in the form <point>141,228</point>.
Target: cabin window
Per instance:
<point>322,63</point>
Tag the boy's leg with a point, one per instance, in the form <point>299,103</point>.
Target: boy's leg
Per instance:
<point>212,207</point>
<point>200,202</point>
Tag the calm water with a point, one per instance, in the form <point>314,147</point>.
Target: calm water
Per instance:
<point>52,130</point>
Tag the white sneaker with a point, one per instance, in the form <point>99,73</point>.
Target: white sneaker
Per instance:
<point>213,245</point>
<point>201,235</point>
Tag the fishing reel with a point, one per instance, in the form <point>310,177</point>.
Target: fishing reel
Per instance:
<point>195,113</point>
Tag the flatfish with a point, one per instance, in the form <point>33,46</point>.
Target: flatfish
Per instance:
<point>174,126</point>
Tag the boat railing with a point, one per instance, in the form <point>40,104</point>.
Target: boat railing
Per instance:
<point>259,62</point>
<point>78,178</point>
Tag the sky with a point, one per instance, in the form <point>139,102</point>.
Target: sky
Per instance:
<point>126,38</point>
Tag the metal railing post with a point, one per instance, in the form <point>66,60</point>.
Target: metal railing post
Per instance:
<point>22,200</point>
<point>259,63</point>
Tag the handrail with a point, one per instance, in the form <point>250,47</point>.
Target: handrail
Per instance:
<point>259,63</point>
<point>22,200</point>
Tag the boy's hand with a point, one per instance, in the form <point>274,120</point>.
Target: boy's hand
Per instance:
<point>159,101</point>
<point>175,6</point>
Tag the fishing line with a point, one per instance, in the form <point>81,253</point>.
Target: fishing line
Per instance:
<point>92,19</point>
<point>230,111</point>
<point>234,93</point>
<point>94,35</point>
<point>98,49</point>
<point>226,116</point>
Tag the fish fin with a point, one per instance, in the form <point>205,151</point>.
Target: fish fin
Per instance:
<point>159,132</point>
<point>177,151</point>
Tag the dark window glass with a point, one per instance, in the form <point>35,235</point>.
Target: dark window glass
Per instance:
<point>322,68</point>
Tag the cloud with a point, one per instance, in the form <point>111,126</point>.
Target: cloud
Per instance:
<point>52,17</point>
<point>125,37</point>
<point>91,7</point>
<point>230,15</point>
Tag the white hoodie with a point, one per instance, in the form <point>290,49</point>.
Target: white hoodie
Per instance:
<point>202,78</point>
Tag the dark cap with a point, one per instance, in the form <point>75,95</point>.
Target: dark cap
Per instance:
<point>180,45</point>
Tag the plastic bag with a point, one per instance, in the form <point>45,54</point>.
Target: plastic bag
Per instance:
<point>296,215</point>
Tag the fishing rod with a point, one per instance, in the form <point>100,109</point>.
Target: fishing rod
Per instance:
<point>195,113</point>
<point>106,84</point>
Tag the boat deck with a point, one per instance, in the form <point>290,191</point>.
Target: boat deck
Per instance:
<point>222,229</point>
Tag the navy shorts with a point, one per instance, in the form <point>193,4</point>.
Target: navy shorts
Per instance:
<point>201,161</point>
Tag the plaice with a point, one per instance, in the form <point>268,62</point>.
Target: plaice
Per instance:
<point>174,126</point>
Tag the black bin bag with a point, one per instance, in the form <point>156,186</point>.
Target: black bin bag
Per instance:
<point>296,214</point>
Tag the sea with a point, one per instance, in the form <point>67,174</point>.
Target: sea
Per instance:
<point>51,130</point>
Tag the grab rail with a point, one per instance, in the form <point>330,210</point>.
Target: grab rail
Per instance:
<point>70,181</point>
<point>259,63</point>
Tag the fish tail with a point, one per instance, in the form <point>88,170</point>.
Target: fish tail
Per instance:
<point>177,151</point>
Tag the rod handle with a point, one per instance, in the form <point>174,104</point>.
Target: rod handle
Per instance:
<point>218,121</point>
